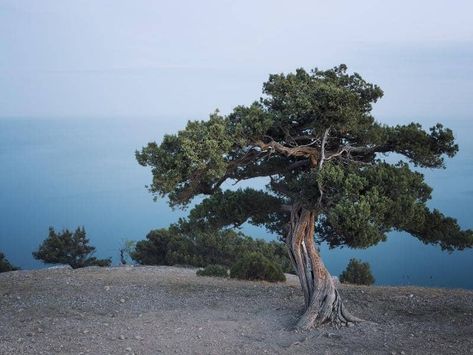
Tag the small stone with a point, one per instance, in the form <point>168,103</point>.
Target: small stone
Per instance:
<point>403,353</point>
<point>18,297</point>
<point>85,331</point>
<point>128,349</point>
<point>121,337</point>
<point>107,288</point>
<point>40,330</point>
<point>122,300</point>
<point>411,295</point>
<point>137,337</point>
<point>333,335</point>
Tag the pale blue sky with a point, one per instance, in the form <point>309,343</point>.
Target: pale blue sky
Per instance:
<point>185,58</point>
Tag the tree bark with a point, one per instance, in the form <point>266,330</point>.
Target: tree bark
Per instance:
<point>322,300</point>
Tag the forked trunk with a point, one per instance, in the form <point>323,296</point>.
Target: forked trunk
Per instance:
<point>322,300</point>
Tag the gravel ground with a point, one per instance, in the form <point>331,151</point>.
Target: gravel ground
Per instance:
<point>169,310</point>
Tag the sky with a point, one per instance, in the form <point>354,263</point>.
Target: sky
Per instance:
<point>184,59</point>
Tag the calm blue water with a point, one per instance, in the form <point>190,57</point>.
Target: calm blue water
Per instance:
<point>66,173</point>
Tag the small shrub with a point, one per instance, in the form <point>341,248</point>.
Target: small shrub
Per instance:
<point>213,270</point>
<point>358,273</point>
<point>255,266</point>
<point>69,248</point>
<point>5,264</point>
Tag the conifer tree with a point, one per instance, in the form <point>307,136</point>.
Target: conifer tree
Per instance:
<point>5,265</point>
<point>69,248</point>
<point>313,137</point>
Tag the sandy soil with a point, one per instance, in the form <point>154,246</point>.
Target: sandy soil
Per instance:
<point>150,310</point>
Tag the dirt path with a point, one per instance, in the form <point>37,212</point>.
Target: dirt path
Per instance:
<point>150,310</point>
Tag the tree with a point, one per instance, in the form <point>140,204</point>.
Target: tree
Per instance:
<point>70,248</point>
<point>313,138</point>
<point>358,273</point>
<point>5,264</point>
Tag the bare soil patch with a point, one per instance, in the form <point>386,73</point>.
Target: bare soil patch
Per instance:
<point>150,310</point>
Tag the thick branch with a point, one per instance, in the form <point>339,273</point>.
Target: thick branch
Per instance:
<point>299,151</point>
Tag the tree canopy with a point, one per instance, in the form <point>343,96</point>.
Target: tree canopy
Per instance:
<point>5,265</point>
<point>312,136</point>
<point>69,248</point>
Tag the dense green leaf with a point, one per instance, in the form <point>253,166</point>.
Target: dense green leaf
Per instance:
<point>313,137</point>
<point>69,248</point>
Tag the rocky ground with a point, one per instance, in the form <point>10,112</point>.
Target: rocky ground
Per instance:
<point>151,310</point>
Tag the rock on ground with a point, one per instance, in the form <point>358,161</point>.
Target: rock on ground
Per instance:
<point>152,310</point>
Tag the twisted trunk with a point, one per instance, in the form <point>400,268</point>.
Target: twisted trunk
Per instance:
<point>322,300</point>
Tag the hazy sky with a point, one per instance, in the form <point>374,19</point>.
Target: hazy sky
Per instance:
<point>185,58</point>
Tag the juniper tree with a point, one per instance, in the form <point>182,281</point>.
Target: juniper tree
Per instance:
<point>324,157</point>
<point>70,248</point>
<point>358,273</point>
<point>5,265</point>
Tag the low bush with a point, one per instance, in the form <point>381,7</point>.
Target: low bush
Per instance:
<point>165,247</point>
<point>5,264</point>
<point>255,266</point>
<point>175,246</point>
<point>213,270</point>
<point>358,273</point>
<point>69,248</point>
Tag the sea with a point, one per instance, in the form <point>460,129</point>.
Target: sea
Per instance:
<point>70,172</point>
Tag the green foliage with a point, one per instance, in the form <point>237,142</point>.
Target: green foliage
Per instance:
<point>358,273</point>
<point>5,264</point>
<point>255,266</point>
<point>181,245</point>
<point>163,247</point>
<point>233,208</point>
<point>70,248</point>
<point>314,138</point>
<point>213,270</point>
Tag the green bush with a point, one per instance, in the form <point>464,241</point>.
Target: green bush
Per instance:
<point>255,266</point>
<point>213,270</point>
<point>201,248</point>
<point>164,247</point>
<point>5,264</point>
<point>358,273</point>
<point>70,248</point>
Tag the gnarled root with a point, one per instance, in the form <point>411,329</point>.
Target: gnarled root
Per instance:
<point>330,310</point>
